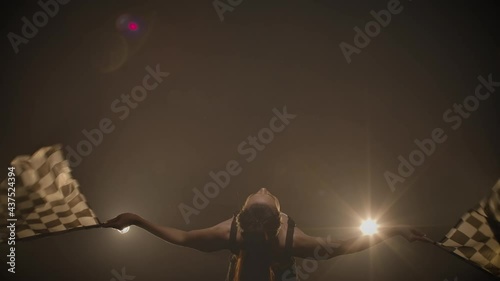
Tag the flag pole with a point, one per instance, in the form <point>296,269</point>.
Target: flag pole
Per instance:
<point>49,234</point>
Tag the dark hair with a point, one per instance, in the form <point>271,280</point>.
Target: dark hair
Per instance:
<point>259,225</point>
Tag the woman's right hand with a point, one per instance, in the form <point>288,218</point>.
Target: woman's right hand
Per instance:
<point>122,221</point>
<point>412,235</point>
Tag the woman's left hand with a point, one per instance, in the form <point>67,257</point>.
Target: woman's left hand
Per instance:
<point>121,221</point>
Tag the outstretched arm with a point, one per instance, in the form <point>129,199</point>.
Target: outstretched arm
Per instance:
<point>206,240</point>
<point>320,248</point>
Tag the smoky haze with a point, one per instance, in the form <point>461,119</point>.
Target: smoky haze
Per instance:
<point>357,116</point>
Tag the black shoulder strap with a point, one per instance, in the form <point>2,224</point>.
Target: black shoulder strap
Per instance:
<point>289,237</point>
<point>232,235</point>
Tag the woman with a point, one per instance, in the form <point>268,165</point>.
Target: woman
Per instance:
<point>263,240</point>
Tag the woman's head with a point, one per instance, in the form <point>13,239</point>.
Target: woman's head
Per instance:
<point>259,222</point>
<point>260,216</point>
<point>263,196</point>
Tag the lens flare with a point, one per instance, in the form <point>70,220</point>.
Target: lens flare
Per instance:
<point>369,227</point>
<point>133,26</point>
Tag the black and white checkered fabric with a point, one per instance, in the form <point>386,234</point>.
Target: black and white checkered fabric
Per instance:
<point>473,238</point>
<point>48,199</point>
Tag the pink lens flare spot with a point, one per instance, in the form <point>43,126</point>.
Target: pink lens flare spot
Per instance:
<point>133,26</point>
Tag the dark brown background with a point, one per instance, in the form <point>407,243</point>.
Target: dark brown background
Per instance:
<point>226,77</point>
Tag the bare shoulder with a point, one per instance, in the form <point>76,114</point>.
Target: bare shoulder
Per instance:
<point>284,217</point>
<point>303,243</point>
<point>223,229</point>
<point>299,237</point>
<point>314,247</point>
<point>209,239</point>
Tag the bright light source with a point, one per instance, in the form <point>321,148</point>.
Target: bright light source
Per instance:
<point>125,230</point>
<point>369,227</point>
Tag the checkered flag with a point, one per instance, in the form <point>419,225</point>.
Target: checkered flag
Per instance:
<point>476,236</point>
<point>47,198</point>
